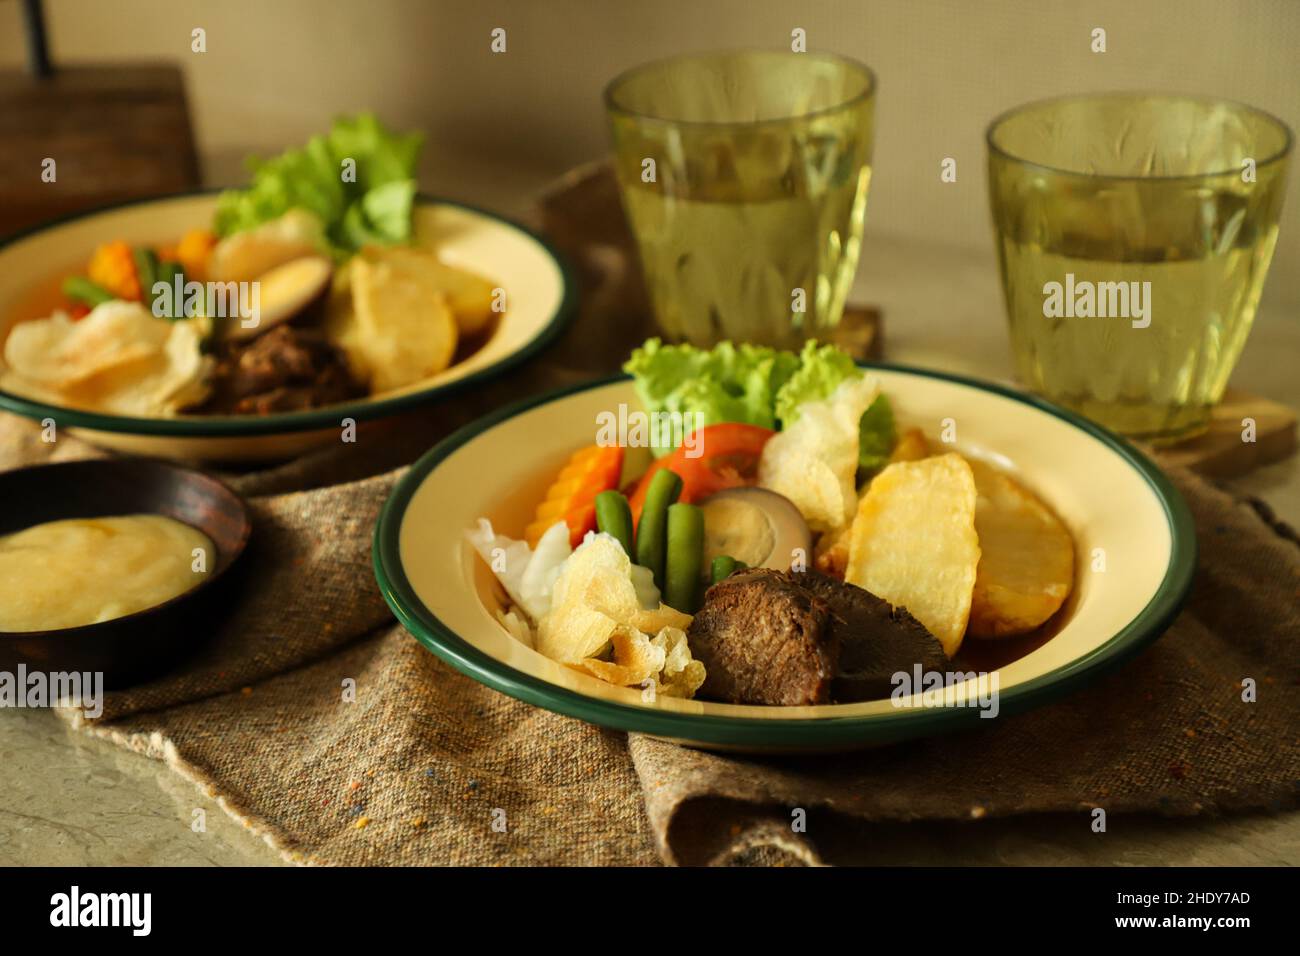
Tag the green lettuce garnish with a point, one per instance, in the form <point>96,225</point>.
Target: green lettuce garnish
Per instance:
<point>728,383</point>
<point>756,385</point>
<point>821,370</point>
<point>375,208</point>
<point>876,435</point>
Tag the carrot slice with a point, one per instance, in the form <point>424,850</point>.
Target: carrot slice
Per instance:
<point>571,498</point>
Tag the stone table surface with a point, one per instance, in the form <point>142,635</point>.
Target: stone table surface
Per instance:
<point>67,799</point>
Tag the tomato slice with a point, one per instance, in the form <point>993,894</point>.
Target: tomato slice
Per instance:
<point>714,458</point>
<point>571,497</point>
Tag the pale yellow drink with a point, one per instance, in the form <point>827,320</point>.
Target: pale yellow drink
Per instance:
<point>1175,200</point>
<point>745,178</point>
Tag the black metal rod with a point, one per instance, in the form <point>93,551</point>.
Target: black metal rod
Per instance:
<point>38,53</point>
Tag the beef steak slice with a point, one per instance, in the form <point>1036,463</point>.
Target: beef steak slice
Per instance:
<point>763,639</point>
<point>876,640</point>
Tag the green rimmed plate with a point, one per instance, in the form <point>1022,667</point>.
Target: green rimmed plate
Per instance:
<point>1109,494</point>
<point>541,296</point>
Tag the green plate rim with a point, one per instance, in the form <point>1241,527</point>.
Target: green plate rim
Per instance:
<point>776,733</point>
<point>219,426</point>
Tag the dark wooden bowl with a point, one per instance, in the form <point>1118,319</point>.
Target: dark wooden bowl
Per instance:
<point>134,648</point>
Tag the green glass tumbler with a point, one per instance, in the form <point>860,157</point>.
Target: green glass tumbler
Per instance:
<point>744,176</point>
<point>1134,234</point>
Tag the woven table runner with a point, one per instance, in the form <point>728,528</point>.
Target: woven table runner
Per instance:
<point>421,765</point>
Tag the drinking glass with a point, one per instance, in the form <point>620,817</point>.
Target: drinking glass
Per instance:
<point>1134,233</point>
<point>744,176</point>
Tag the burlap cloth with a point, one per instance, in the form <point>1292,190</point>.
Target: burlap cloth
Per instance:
<point>428,767</point>
<point>424,762</point>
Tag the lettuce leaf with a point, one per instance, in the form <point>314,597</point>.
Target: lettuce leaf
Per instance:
<point>382,216</point>
<point>821,370</point>
<point>876,435</point>
<point>755,385</point>
<point>728,383</point>
<point>375,208</point>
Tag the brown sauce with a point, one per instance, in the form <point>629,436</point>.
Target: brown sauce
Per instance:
<point>467,345</point>
<point>976,654</point>
<point>39,300</point>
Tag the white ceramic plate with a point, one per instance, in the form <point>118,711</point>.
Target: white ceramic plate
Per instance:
<point>540,299</point>
<point>1111,497</point>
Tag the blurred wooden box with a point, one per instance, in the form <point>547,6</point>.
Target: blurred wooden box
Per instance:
<point>114,133</point>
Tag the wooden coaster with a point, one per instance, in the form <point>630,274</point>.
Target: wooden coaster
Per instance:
<point>861,333</point>
<point>1222,451</point>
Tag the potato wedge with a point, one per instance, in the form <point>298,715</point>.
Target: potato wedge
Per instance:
<point>913,543</point>
<point>469,296</point>
<point>403,331</point>
<point>1026,570</point>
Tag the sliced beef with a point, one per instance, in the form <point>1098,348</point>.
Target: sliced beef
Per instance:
<point>876,640</point>
<point>763,639</point>
<point>797,638</point>
<point>284,369</point>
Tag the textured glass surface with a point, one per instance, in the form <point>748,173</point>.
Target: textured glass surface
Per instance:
<point>744,177</point>
<point>1169,201</point>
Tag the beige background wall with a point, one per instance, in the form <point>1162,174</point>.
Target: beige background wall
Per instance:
<point>500,125</point>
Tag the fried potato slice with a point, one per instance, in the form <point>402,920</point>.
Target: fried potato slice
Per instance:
<point>403,331</point>
<point>913,543</point>
<point>831,555</point>
<point>469,295</point>
<point>1026,570</point>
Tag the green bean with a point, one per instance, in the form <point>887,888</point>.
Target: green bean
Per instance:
<point>614,517</point>
<point>146,271</point>
<point>167,272</point>
<point>685,555</point>
<point>722,568</point>
<point>83,290</point>
<point>652,529</point>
